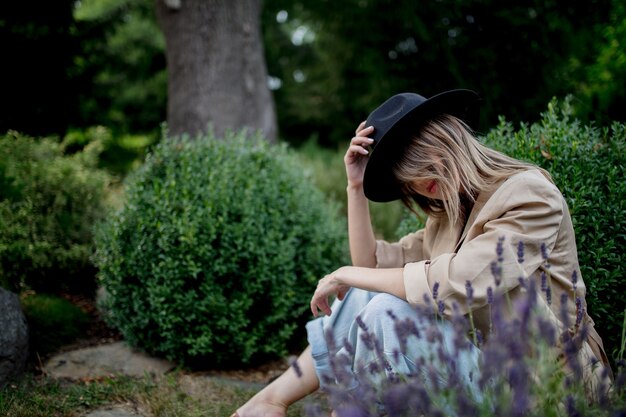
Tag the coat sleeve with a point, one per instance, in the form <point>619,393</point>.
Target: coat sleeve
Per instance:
<point>524,209</point>
<point>396,255</point>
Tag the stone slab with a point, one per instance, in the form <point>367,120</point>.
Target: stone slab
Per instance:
<point>115,411</point>
<point>104,360</point>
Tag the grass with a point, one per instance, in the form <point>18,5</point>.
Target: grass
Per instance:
<point>52,321</point>
<point>173,395</point>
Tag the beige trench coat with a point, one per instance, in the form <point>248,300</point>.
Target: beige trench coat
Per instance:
<point>526,207</point>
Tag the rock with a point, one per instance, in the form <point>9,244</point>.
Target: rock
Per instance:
<point>104,360</point>
<point>115,411</point>
<point>13,337</point>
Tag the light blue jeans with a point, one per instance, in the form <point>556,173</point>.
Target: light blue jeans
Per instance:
<point>340,344</point>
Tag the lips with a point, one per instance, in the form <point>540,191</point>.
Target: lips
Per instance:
<point>432,187</point>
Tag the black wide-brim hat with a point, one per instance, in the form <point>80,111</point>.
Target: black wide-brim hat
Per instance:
<point>395,121</point>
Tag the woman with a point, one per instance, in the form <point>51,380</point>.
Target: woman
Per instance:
<point>423,153</point>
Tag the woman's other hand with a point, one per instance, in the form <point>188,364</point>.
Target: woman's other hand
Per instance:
<point>327,287</point>
<point>357,154</point>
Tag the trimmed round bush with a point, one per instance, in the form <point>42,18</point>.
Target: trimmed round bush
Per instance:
<point>216,251</point>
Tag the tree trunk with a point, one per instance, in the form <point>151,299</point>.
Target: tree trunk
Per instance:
<point>216,67</point>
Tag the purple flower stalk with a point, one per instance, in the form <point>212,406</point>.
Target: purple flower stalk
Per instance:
<point>441,307</point>
<point>574,280</point>
<point>435,290</point>
<point>496,271</point>
<point>544,252</point>
<point>500,249</point>
<point>469,291</point>
<point>520,252</point>
<point>293,362</point>
<point>580,311</point>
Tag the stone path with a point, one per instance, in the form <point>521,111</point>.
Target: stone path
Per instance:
<point>105,360</point>
<point>116,358</point>
<point>117,411</point>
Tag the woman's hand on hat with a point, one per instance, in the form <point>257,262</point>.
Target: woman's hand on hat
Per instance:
<point>357,154</point>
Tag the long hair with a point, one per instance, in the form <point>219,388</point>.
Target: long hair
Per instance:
<point>446,150</point>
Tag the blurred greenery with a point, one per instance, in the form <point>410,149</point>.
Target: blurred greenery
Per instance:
<point>101,62</point>
<point>49,202</point>
<point>329,175</point>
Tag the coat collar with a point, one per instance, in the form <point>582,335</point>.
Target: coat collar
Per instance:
<point>478,206</point>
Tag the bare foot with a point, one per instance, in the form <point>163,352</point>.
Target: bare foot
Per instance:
<point>257,407</point>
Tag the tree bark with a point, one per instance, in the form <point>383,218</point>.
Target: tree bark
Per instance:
<point>216,67</point>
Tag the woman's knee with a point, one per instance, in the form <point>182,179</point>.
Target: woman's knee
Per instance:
<point>386,308</point>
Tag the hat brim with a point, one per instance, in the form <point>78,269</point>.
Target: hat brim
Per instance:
<point>379,183</point>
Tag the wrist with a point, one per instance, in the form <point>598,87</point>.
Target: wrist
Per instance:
<point>341,275</point>
<point>355,188</point>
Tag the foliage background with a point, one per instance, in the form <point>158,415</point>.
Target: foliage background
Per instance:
<point>78,64</point>
<point>49,202</point>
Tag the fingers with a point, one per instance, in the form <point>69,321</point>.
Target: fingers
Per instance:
<point>361,126</point>
<point>359,143</point>
<point>321,305</point>
<point>363,132</point>
<point>358,150</point>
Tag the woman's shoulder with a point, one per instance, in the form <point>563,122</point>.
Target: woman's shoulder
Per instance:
<point>528,184</point>
<point>530,175</point>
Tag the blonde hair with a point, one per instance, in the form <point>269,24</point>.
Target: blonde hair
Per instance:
<point>446,150</point>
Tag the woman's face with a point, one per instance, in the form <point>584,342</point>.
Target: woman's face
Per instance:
<point>427,188</point>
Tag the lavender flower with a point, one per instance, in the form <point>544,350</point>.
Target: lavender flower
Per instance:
<point>574,280</point>
<point>293,362</point>
<point>469,291</point>
<point>518,379</point>
<point>496,272</point>
<point>564,311</point>
<point>435,290</point>
<point>544,252</point>
<point>441,307</point>
<point>500,249</point>
<point>348,347</point>
<point>520,252</point>
<point>361,323</point>
<point>511,359</point>
<point>570,406</point>
<point>580,311</point>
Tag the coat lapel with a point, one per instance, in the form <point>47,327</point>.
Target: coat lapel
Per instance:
<point>479,204</point>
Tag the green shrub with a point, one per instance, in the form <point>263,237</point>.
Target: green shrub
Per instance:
<point>329,174</point>
<point>214,256</point>
<point>52,322</point>
<point>588,164</point>
<point>49,202</point>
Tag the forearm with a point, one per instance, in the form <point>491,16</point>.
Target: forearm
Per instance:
<point>360,232</point>
<point>387,280</point>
